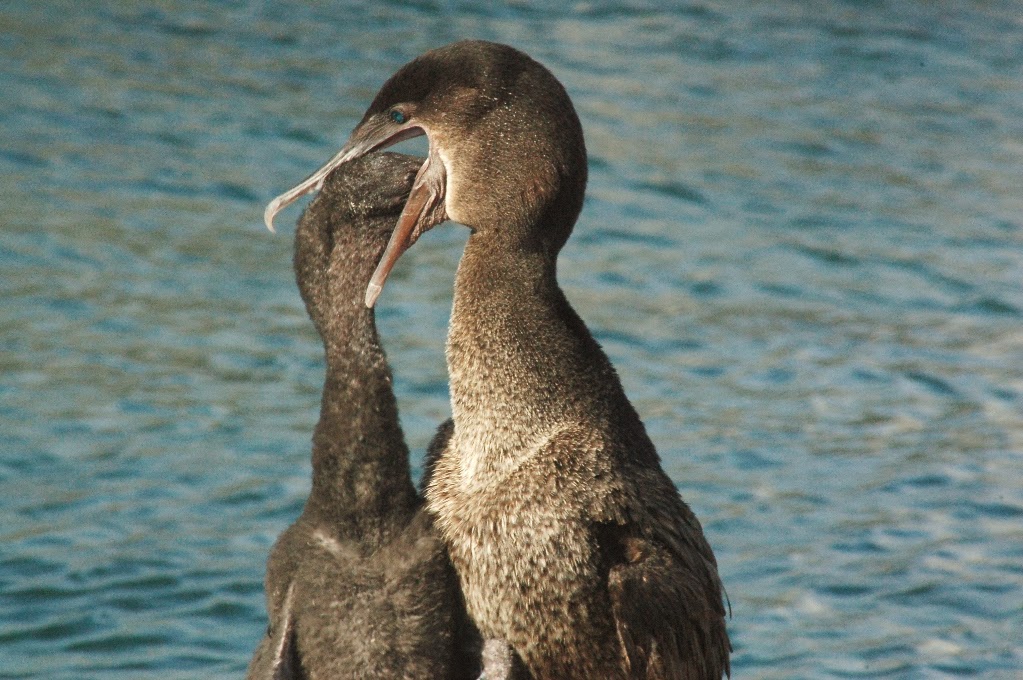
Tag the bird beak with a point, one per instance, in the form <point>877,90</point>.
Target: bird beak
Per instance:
<point>423,210</point>
<point>370,136</point>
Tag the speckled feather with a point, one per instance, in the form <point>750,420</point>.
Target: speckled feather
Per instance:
<point>570,541</point>
<point>360,585</point>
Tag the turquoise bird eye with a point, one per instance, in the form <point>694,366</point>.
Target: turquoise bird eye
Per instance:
<point>398,117</point>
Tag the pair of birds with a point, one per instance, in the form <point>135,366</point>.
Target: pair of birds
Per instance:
<point>549,528</point>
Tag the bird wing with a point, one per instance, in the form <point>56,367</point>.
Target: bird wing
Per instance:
<point>665,591</point>
<point>662,579</point>
<point>277,656</point>
<point>667,625</point>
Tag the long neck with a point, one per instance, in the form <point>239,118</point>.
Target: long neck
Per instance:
<point>521,361</point>
<point>361,485</point>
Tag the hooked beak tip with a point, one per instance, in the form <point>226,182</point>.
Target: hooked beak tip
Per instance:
<point>268,218</point>
<point>310,184</point>
<point>372,293</point>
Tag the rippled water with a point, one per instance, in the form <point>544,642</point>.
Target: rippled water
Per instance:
<point>801,247</point>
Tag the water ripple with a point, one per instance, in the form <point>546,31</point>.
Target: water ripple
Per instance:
<point>800,248</point>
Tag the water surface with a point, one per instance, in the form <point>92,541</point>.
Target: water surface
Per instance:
<point>801,247</point>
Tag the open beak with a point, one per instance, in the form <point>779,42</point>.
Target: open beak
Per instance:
<point>423,210</point>
<point>368,137</point>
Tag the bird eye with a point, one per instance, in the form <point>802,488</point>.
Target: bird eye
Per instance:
<point>397,116</point>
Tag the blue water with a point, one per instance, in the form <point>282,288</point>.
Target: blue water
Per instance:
<point>802,247</point>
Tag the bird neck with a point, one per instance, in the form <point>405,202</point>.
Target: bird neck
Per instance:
<point>520,360</point>
<point>361,484</point>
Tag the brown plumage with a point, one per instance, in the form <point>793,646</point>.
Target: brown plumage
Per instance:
<point>360,585</point>
<point>570,541</point>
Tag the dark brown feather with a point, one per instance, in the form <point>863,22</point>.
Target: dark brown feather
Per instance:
<point>569,540</point>
<point>360,585</point>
